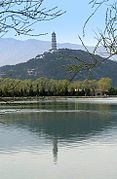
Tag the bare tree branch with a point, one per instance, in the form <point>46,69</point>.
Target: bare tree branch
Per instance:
<point>20,15</point>
<point>107,37</point>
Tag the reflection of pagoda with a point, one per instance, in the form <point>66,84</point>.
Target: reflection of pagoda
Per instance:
<point>54,43</point>
<point>55,149</point>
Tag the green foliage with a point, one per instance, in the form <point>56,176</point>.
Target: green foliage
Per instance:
<point>43,86</point>
<point>104,85</point>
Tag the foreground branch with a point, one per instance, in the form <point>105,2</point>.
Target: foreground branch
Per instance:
<point>20,15</point>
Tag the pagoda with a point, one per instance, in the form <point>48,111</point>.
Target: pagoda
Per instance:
<point>54,43</point>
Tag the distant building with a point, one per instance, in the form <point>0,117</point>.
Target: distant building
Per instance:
<point>54,43</point>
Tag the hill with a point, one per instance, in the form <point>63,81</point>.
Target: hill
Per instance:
<point>10,48</point>
<point>53,65</point>
<point>14,51</point>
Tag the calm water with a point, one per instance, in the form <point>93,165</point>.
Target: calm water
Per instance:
<point>64,139</point>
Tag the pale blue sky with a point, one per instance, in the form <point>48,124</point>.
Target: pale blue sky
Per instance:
<point>69,25</point>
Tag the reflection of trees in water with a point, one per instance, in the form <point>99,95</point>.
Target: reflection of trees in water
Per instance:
<point>95,107</point>
<point>65,125</point>
<point>70,126</point>
<point>99,109</point>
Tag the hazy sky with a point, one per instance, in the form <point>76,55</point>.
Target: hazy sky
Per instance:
<point>70,25</point>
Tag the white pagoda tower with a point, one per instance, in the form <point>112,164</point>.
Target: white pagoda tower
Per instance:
<point>54,43</point>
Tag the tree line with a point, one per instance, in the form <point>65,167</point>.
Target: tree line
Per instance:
<point>43,86</point>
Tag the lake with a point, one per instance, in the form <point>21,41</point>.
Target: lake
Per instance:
<point>59,139</point>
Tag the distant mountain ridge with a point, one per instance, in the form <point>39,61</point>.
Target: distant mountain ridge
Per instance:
<point>53,65</point>
<point>14,51</point>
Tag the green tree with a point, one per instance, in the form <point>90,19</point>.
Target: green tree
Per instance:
<point>90,87</point>
<point>104,85</point>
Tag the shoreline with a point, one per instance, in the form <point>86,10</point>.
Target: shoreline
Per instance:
<point>49,99</point>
